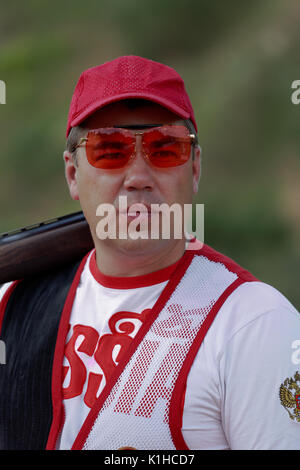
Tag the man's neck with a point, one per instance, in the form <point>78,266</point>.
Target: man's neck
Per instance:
<point>121,262</point>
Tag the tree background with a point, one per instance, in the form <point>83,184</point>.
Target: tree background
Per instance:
<point>238,60</point>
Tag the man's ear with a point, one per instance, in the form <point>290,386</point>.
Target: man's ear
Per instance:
<point>196,168</point>
<point>71,174</point>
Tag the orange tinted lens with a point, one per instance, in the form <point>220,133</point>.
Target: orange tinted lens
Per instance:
<point>167,146</point>
<point>109,148</point>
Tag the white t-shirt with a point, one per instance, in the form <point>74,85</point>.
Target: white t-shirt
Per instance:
<point>232,396</point>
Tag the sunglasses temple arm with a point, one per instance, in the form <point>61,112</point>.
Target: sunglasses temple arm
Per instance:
<point>83,139</point>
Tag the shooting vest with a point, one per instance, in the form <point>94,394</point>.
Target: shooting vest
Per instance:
<point>139,406</point>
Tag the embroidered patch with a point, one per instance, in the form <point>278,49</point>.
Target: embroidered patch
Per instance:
<point>289,394</point>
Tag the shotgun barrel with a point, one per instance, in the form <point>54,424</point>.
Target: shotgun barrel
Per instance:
<point>41,247</point>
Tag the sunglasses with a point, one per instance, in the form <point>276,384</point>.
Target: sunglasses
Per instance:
<point>164,146</point>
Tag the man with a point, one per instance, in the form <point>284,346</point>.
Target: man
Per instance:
<point>147,343</point>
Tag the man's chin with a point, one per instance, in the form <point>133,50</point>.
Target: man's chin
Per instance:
<point>140,246</point>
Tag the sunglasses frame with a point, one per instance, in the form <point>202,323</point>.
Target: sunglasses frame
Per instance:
<point>139,127</point>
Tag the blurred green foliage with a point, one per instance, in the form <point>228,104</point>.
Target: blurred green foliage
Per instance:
<point>238,60</point>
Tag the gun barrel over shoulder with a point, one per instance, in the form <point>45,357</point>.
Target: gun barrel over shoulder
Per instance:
<point>41,247</point>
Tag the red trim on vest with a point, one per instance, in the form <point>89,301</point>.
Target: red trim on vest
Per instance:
<point>116,282</point>
<point>57,399</point>
<point>176,277</point>
<point>175,421</point>
<point>5,299</point>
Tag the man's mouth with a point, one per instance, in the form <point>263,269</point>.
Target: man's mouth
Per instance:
<point>137,209</point>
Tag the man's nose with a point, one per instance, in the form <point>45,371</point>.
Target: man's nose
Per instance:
<point>139,174</point>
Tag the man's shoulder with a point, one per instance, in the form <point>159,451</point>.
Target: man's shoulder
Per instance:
<point>251,297</point>
<point>59,278</point>
<point>259,297</point>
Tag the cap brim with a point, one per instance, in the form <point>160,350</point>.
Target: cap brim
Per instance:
<point>112,99</point>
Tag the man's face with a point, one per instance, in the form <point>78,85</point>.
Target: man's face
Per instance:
<point>139,181</point>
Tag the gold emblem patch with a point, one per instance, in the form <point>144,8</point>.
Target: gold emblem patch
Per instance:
<point>289,394</point>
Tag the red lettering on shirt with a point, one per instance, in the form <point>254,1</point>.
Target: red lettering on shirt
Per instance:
<point>161,385</point>
<point>136,377</point>
<point>78,369</point>
<point>106,351</point>
<point>179,324</point>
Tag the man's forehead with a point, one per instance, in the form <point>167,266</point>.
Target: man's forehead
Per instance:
<point>124,113</point>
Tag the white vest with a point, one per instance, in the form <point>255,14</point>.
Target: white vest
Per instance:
<point>141,408</point>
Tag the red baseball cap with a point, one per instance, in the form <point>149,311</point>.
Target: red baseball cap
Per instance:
<point>129,77</point>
